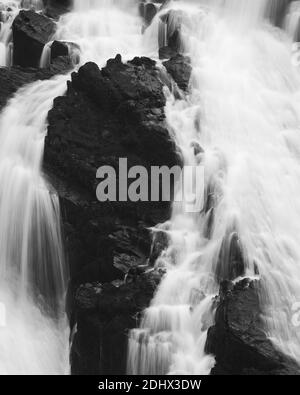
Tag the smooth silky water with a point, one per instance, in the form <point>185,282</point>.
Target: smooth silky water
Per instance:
<point>34,334</point>
<point>243,110</point>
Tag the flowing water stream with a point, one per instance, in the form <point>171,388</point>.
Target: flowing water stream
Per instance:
<point>243,110</point>
<point>33,273</point>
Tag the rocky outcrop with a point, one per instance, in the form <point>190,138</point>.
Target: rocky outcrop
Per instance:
<point>170,40</point>
<point>31,31</point>
<point>179,67</point>
<point>238,339</point>
<point>105,314</point>
<point>116,112</point>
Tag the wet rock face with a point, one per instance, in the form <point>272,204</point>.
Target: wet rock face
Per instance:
<point>116,112</point>
<point>170,40</point>
<point>179,67</point>
<point>106,115</point>
<point>31,31</point>
<point>238,339</point>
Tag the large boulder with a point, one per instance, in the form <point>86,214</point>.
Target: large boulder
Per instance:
<point>31,31</point>
<point>116,112</point>
<point>148,12</point>
<point>179,67</point>
<point>238,339</point>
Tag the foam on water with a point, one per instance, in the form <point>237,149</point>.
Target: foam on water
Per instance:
<point>244,111</point>
<point>33,273</point>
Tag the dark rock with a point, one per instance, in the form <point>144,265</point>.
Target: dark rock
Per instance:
<point>116,112</point>
<point>104,320</point>
<point>276,11</point>
<point>59,48</point>
<point>150,11</point>
<point>179,67</point>
<point>66,49</point>
<point>61,65</point>
<point>167,53</point>
<point>31,31</point>
<point>238,339</point>
<point>55,8</point>
<point>231,263</point>
<point>159,245</point>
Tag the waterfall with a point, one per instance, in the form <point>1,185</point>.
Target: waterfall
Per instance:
<point>9,9</point>
<point>32,269</point>
<point>292,20</point>
<point>46,55</point>
<point>102,29</point>
<point>33,273</point>
<point>243,109</point>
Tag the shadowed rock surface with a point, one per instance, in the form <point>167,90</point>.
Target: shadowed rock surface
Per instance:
<point>31,31</point>
<point>238,339</point>
<point>116,112</point>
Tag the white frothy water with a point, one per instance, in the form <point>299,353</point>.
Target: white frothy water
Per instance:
<point>34,339</point>
<point>244,111</point>
<point>103,29</point>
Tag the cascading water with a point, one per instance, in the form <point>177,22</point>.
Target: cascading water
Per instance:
<point>32,269</point>
<point>9,9</point>
<point>243,115</point>
<point>243,112</point>
<point>33,275</point>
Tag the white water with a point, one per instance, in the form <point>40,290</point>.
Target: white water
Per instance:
<point>46,56</point>
<point>244,111</point>
<point>10,9</point>
<point>34,339</point>
<point>245,97</point>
